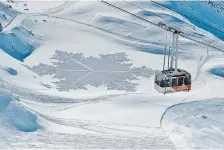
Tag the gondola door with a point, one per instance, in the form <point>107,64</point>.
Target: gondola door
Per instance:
<point>177,84</point>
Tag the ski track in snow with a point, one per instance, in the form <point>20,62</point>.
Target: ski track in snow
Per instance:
<point>102,128</point>
<point>15,21</point>
<point>200,64</point>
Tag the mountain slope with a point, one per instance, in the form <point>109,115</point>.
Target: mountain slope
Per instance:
<point>208,15</point>
<point>82,75</point>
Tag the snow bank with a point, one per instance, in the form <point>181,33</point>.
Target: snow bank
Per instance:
<point>16,116</point>
<point>19,44</point>
<point>199,124</point>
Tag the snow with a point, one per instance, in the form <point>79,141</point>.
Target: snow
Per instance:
<point>13,43</point>
<point>31,6</point>
<point>199,124</point>
<point>80,74</point>
<point>11,71</point>
<point>13,115</point>
<point>219,71</point>
<point>213,10</point>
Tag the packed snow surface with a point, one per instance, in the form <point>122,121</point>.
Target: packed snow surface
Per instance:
<point>199,124</point>
<point>80,74</point>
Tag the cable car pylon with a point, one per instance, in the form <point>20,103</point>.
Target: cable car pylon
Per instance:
<point>172,79</point>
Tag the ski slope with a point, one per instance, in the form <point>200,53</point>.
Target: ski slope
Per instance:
<point>80,74</point>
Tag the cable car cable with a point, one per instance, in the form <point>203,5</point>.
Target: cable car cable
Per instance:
<point>166,19</point>
<point>169,58</point>
<point>188,17</point>
<point>143,9</point>
<point>165,28</point>
<point>164,59</point>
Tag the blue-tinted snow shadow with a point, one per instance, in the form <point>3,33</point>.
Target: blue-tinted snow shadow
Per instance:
<point>147,13</point>
<point>147,46</point>
<point>127,27</point>
<point>19,44</point>
<point>218,71</point>
<point>149,50</point>
<point>13,114</point>
<point>158,51</point>
<point>11,71</point>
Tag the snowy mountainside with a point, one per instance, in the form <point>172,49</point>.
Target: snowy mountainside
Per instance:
<point>208,15</point>
<point>6,14</point>
<point>18,44</point>
<point>79,74</point>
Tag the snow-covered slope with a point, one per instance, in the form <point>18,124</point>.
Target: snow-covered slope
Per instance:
<point>208,15</point>
<point>196,124</point>
<point>80,75</point>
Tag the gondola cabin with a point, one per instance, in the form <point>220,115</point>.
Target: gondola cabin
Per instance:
<point>172,80</point>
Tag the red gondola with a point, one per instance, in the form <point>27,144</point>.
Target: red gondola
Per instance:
<point>172,79</point>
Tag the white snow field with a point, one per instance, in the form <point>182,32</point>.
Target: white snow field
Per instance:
<point>79,74</point>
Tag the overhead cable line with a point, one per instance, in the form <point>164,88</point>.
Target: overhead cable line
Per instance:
<point>188,17</point>
<point>166,19</point>
<point>170,29</point>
